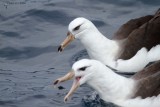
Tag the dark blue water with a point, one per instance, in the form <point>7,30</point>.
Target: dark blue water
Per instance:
<point>31,31</point>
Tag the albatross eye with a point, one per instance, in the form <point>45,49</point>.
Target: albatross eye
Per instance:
<point>77,28</point>
<point>82,69</point>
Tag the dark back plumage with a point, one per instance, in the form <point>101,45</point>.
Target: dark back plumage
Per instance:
<point>135,34</point>
<point>138,33</point>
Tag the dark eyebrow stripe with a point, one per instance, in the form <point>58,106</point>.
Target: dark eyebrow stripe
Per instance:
<point>76,28</point>
<point>83,68</point>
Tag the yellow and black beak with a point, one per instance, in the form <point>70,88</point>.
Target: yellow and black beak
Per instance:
<point>66,42</point>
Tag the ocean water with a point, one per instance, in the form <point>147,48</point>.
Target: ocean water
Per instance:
<point>30,33</point>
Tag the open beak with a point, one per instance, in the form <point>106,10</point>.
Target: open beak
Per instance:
<point>68,40</point>
<point>74,87</point>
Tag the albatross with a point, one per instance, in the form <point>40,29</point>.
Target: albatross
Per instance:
<point>111,87</point>
<point>115,53</point>
<point>99,47</point>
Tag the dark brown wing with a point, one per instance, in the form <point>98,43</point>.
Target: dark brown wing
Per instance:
<point>147,35</point>
<point>124,31</point>
<point>150,70</point>
<point>135,34</point>
<point>157,91</point>
<point>149,86</point>
<point>148,81</point>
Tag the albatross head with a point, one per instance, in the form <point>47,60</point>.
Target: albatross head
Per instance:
<point>84,71</point>
<point>76,29</point>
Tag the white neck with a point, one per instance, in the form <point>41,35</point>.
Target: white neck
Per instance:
<point>98,46</point>
<point>111,86</point>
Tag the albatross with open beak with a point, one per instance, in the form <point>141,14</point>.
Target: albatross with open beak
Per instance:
<point>114,88</point>
<point>131,37</point>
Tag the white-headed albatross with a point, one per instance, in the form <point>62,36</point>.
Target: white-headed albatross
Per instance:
<point>122,91</point>
<point>105,50</point>
<point>131,37</point>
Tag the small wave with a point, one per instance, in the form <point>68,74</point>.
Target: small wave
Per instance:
<point>54,16</point>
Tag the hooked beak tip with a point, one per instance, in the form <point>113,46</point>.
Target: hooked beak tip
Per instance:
<point>56,82</point>
<point>60,49</point>
<point>65,99</point>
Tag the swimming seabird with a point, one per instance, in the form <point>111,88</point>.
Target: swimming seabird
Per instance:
<point>122,91</point>
<point>131,37</point>
<point>145,34</point>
